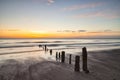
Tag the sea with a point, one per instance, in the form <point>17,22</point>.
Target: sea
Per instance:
<point>29,48</point>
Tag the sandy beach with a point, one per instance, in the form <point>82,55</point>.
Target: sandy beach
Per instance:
<point>103,65</point>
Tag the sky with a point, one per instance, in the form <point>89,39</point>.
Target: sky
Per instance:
<point>59,18</point>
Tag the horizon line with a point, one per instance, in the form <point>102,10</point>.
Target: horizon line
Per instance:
<point>60,38</point>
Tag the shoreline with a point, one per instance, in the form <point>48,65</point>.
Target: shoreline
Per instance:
<point>103,65</point>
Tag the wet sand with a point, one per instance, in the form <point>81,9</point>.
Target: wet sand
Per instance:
<point>103,65</point>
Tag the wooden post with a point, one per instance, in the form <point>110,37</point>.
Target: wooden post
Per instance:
<point>84,57</point>
<point>50,51</point>
<point>59,55</point>
<point>70,58</point>
<point>40,46</point>
<point>45,48</point>
<point>56,55</point>
<point>63,57</point>
<point>77,63</point>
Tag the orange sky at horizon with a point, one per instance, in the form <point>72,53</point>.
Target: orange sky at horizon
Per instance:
<point>42,34</point>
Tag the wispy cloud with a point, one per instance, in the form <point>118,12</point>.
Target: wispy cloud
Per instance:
<point>107,30</point>
<point>85,31</point>
<point>67,31</point>
<point>81,30</point>
<point>104,31</point>
<point>72,31</point>
<point>101,14</point>
<point>83,6</point>
<point>50,2</point>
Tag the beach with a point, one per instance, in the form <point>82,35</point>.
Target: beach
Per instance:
<point>103,65</point>
<point>23,59</point>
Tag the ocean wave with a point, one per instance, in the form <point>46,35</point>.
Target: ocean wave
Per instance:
<point>17,46</point>
<point>7,53</point>
<point>59,44</point>
<point>40,42</point>
<point>19,52</point>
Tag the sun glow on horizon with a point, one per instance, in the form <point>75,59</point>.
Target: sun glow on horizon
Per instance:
<point>39,32</point>
<point>53,34</point>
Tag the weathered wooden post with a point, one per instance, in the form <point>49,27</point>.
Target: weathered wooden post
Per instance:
<point>63,57</point>
<point>45,48</point>
<point>50,51</point>
<point>59,55</point>
<point>84,58</point>
<point>40,46</point>
<point>70,58</point>
<point>77,63</point>
<point>56,55</point>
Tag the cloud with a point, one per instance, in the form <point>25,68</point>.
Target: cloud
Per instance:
<point>81,30</point>
<point>67,31</point>
<point>72,31</point>
<point>100,32</point>
<point>88,15</point>
<point>104,31</point>
<point>50,2</point>
<point>83,6</point>
<point>107,30</point>
<point>100,14</point>
<point>95,32</point>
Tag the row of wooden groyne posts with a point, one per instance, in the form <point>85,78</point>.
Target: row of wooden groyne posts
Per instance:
<point>61,57</point>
